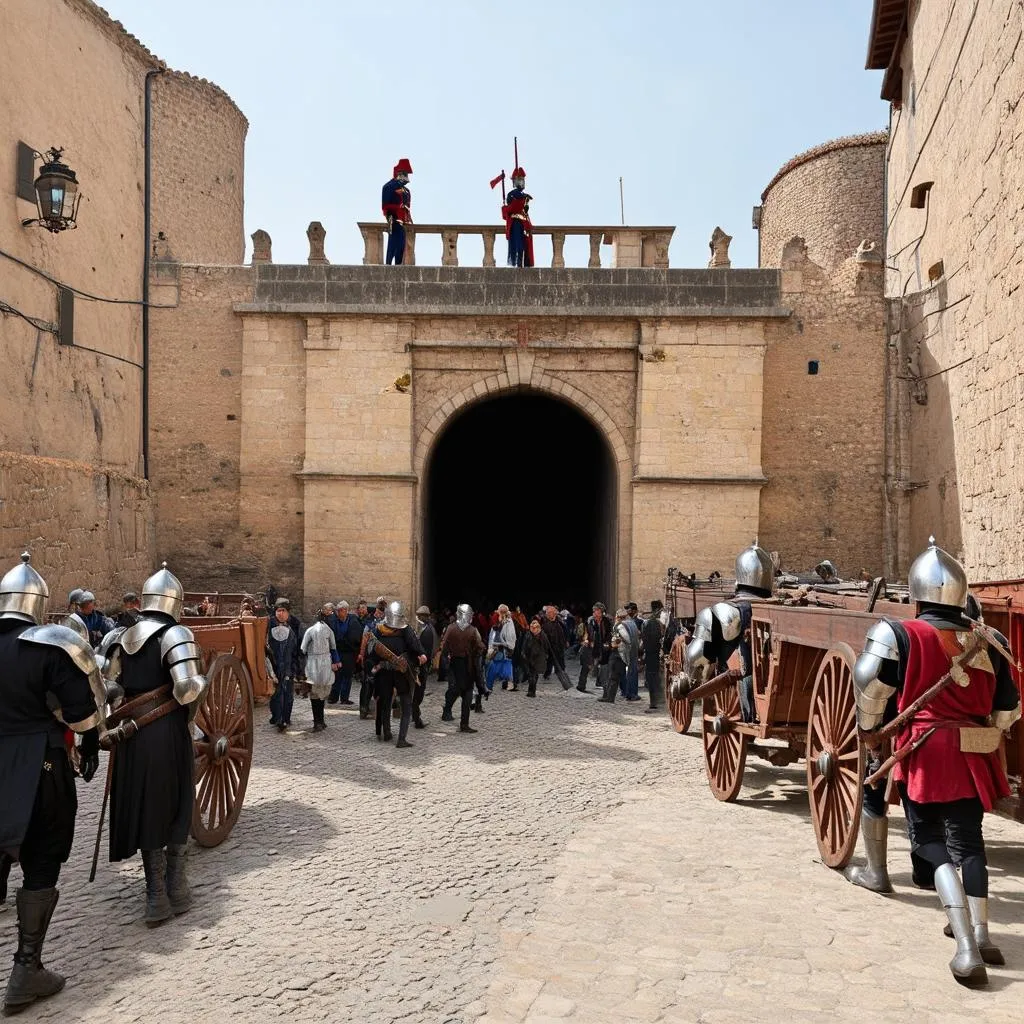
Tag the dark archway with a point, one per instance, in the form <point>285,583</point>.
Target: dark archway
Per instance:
<point>520,507</point>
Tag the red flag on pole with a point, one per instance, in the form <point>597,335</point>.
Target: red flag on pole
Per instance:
<point>500,177</point>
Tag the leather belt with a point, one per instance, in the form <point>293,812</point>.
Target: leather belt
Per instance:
<point>136,714</point>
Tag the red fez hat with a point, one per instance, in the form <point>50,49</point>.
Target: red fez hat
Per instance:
<point>519,173</point>
<point>403,167</point>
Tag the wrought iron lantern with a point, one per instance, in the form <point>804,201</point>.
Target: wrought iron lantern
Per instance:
<point>57,195</point>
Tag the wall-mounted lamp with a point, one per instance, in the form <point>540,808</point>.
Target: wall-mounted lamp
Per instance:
<point>56,194</point>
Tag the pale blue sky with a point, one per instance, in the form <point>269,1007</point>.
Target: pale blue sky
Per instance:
<point>696,103</point>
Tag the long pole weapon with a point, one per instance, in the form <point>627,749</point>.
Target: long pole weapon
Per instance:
<point>515,148</point>
<point>103,815</point>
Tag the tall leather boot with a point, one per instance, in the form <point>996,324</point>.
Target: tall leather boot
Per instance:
<point>178,891</point>
<point>158,906</point>
<point>875,874</point>
<point>478,704</point>
<point>967,965</point>
<point>29,979</point>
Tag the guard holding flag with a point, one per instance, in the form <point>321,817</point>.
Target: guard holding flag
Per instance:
<point>518,229</point>
<point>396,200</point>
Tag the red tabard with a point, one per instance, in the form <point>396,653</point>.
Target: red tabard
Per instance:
<point>938,771</point>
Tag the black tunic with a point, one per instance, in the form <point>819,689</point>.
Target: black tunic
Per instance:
<point>29,733</point>
<point>152,788</point>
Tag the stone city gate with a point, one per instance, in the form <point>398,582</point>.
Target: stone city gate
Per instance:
<point>366,395</point>
<point>331,409</point>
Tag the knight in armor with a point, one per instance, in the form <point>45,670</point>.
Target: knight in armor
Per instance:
<point>518,229</point>
<point>952,773</point>
<point>394,654</point>
<point>49,682</point>
<point>396,203</point>
<point>464,648</point>
<point>157,662</point>
<point>73,620</point>
<point>724,629</point>
<point>322,661</point>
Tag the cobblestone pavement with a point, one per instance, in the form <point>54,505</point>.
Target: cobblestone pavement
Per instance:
<point>567,863</point>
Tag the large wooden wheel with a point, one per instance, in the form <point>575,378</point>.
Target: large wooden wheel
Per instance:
<point>835,758</point>
<point>223,751</point>
<point>681,711</point>
<point>725,747</point>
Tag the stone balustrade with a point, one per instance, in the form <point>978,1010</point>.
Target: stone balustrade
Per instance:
<point>631,246</point>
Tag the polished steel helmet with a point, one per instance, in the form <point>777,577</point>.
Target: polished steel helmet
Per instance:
<point>938,578</point>
<point>23,593</point>
<point>394,616</point>
<point>163,592</point>
<point>754,568</point>
<point>464,616</point>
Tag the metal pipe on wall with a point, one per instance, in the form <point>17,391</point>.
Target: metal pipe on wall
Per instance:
<point>147,232</point>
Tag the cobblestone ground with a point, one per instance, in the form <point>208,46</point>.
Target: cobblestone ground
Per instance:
<point>567,863</point>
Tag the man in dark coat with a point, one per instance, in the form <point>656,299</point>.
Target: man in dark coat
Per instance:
<point>555,633</point>
<point>651,634</point>
<point>283,651</point>
<point>152,790</point>
<point>535,653</point>
<point>348,634</point>
<point>596,647</point>
<point>40,665</point>
<point>428,641</point>
<point>393,653</point>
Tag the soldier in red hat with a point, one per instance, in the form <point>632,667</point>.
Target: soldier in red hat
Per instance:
<point>396,199</point>
<point>518,229</point>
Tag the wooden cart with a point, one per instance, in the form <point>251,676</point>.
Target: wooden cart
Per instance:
<point>803,661</point>
<point>235,665</point>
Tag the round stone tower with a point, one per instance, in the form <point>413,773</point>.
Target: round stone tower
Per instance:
<point>831,196</point>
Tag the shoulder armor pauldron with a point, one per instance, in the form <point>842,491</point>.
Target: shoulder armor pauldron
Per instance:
<point>52,635</point>
<point>134,638</point>
<point>730,619</point>
<point>84,658</point>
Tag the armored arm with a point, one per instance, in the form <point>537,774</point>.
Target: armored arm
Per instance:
<point>1006,699</point>
<point>879,660</point>
<point>180,653</point>
<point>84,659</point>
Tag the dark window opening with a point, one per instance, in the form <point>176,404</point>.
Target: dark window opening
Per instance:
<point>519,508</point>
<point>812,368</point>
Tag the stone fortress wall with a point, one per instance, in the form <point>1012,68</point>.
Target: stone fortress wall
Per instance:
<point>956,266</point>
<point>824,431</point>
<point>72,486</point>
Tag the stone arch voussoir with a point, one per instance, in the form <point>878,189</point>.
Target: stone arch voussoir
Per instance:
<point>495,385</point>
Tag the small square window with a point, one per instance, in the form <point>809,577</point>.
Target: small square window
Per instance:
<point>812,368</point>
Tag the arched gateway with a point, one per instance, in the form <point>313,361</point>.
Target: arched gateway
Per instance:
<point>519,503</point>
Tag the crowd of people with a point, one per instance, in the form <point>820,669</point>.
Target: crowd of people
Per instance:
<point>471,652</point>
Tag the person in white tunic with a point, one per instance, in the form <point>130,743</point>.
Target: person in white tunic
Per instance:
<point>322,661</point>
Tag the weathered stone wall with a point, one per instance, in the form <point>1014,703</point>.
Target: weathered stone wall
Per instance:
<point>198,171</point>
<point>70,421</point>
<point>85,527</point>
<point>824,434</point>
<point>831,196</point>
<point>958,124</point>
<point>196,411</point>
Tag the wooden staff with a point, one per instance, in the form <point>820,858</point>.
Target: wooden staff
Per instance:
<point>887,730</point>
<point>714,685</point>
<point>103,815</point>
<point>905,751</point>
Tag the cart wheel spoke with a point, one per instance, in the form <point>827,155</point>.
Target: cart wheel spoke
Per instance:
<point>222,777</point>
<point>835,761</point>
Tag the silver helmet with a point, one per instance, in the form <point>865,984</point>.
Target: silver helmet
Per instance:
<point>464,616</point>
<point>937,578</point>
<point>163,592</point>
<point>23,593</point>
<point>754,568</point>
<point>394,616</point>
